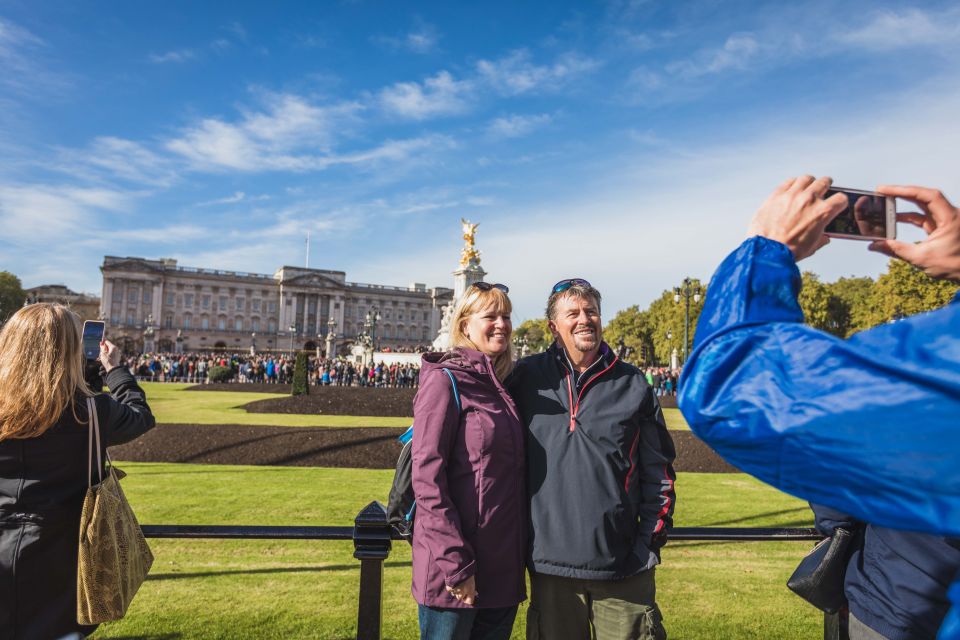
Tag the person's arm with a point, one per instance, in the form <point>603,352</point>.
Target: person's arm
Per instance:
<point>125,415</point>
<point>867,426</point>
<point>436,424</point>
<point>653,456</point>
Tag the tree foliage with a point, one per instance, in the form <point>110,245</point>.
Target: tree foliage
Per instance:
<point>633,327</point>
<point>11,295</point>
<point>300,386</point>
<point>537,334</point>
<point>903,291</point>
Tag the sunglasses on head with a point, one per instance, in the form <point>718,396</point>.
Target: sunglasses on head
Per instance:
<point>563,285</point>
<point>486,286</point>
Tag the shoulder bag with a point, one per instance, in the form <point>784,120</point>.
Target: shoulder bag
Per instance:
<point>114,558</point>
<point>819,577</point>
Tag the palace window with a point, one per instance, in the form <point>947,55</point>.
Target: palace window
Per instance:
<point>238,324</point>
<point>132,295</point>
<point>223,303</point>
<point>188,300</point>
<point>168,321</point>
<point>221,323</point>
<point>186,320</point>
<point>205,302</point>
<point>256,304</point>
<point>147,295</point>
<point>272,306</point>
<point>241,302</point>
<point>271,326</point>
<point>117,293</point>
<point>255,325</point>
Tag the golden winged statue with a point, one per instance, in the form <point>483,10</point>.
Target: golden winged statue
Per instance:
<point>469,253</point>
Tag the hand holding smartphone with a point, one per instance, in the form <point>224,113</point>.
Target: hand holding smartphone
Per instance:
<point>867,216</point>
<point>92,337</point>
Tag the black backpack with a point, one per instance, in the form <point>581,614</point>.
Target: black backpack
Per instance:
<point>402,505</point>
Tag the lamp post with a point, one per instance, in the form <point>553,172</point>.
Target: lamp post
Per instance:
<point>372,318</point>
<point>686,291</point>
<point>253,344</point>
<point>293,330</point>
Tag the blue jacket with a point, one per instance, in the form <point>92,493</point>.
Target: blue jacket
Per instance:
<point>827,419</point>
<point>897,582</point>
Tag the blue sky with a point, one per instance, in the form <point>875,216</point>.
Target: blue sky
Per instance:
<point>625,142</point>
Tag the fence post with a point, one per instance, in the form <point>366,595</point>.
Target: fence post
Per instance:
<point>835,626</point>
<point>371,544</point>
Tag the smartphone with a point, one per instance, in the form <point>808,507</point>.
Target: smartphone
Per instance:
<point>868,216</point>
<point>92,337</point>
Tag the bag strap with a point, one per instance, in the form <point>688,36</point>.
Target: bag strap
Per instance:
<point>456,394</point>
<point>94,433</point>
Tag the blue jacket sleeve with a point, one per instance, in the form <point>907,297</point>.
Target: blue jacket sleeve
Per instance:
<point>868,425</point>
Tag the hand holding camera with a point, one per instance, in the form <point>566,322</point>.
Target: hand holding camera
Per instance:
<point>939,254</point>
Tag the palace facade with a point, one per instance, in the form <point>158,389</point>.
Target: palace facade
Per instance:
<point>172,308</point>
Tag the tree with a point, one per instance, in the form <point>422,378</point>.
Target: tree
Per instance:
<point>11,295</point>
<point>815,301</point>
<point>905,290</point>
<point>300,386</point>
<point>537,334</point>
<point>850,297</point>
<point>667,316</point>
<point>633,327</point>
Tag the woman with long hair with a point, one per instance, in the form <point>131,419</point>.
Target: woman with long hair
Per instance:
<point>469,538</point>
<point>43,463</point>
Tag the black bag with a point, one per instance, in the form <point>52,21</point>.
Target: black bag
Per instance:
<point>402,505</point>
<point>818,578</point>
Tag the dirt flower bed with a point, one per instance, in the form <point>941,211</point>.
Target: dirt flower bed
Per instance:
<point>365,448</point>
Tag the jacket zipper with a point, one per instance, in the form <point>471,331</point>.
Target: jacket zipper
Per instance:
<point>575,408</point>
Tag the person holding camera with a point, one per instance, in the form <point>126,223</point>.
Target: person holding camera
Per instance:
<point>44,463</point>
<point>866,426</point>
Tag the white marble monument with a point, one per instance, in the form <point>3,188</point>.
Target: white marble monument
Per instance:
<point>468,272</point>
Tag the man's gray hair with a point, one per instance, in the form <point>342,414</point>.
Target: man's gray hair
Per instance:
<point>573,291</point>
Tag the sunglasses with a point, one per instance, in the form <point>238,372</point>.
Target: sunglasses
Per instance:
<point>486,286</point>
<point>563,285</point>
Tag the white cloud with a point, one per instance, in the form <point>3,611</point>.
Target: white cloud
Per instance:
<point>20,56</point>
<point>423,39</point>
<point>36,213</point>
<point>178,55</point>
<point>516,74</point>
<point>108,159</point>
<point>439,95</point>
<point>909,28</point>
<point>289,134</point>
<point>737,53</point>
<point>515,126</point>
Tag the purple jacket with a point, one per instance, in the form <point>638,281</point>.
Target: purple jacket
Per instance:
<point>468,479</point>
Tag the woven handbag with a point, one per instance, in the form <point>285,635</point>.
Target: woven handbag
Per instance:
<point>114,558</point>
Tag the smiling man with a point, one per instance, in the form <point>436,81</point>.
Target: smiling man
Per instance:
<point>600,480</point>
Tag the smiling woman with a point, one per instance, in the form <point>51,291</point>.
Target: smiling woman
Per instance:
<point>468,551</point>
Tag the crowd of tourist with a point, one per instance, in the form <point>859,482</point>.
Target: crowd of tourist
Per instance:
<point>270,369</point>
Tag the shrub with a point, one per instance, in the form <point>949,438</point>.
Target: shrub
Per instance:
<point>220,374</point>
<point>300,386</point>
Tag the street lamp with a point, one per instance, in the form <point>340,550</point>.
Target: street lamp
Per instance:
<point>293,330</point>
<point>372,318</point>
<point>686,291</point>
<point>148,335</point>
<point>253,344</point>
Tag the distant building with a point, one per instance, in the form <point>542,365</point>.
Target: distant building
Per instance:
<point>195,309</point>
<point>85,305</point>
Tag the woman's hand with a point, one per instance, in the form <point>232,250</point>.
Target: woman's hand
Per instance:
<point>466,591</point>
<point>109,355</point>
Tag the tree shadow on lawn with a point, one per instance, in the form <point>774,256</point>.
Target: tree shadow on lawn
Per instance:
<point>318,569</point>
<point>808,521</point>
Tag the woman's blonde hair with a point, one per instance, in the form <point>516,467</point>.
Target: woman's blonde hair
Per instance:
<point>475,300</point>
<point>41,369</point>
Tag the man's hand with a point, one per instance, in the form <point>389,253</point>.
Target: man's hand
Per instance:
<point>939,254</point>
<point>466,591</point>
<point>796,215</point>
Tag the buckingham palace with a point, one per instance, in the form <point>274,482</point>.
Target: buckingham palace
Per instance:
<point>172,308</point>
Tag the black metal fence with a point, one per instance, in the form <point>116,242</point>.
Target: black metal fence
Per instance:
<point>372,539</point>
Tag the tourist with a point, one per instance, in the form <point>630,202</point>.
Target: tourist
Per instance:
<point>469,536</point>
<point>866,425</point>
<point>601,480</point>
<point>44,463</point>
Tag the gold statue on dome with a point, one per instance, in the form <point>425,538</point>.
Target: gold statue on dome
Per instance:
<point>469,254</point>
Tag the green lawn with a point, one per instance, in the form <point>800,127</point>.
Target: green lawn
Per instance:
<point>172,405</point>
<point>273,589</point>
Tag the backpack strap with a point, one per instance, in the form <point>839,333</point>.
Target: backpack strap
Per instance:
<point>456,394</point>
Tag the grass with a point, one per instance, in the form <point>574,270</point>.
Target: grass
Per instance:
<point>275,589</point>
<point>172,405</point>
